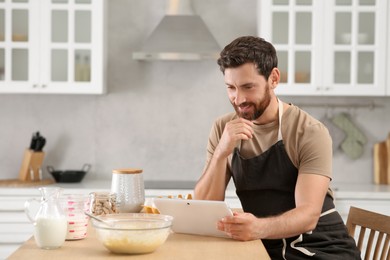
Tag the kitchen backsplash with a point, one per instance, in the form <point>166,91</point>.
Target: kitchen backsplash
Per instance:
<point>157,115</point>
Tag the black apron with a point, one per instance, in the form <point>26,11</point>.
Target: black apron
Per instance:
<point>265,185</point>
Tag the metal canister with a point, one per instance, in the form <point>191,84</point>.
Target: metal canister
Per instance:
<point>128,184</point>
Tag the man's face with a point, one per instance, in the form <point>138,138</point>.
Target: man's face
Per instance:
<point>248,92</point>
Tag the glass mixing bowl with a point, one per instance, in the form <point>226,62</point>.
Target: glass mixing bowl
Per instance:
<point>133,233</point>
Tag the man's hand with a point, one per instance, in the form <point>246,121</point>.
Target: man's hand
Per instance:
<point>310,192</point>
<point>235,130</point>
<point>241,226</point>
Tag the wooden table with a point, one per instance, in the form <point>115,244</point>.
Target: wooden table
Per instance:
<point>177,246</point>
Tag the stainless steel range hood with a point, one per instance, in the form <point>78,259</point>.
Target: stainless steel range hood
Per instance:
<point>181,35</point>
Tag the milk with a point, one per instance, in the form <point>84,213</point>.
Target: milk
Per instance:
<point>50,233</point>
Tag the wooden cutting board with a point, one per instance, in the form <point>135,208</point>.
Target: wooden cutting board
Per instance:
<point>382,162</point>
<point>16,183</point>
<point>388,158</point>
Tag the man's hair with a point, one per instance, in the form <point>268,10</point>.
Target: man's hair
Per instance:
<point>249,49</point>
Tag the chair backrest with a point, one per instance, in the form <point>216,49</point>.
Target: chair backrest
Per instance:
<point>378,240</point>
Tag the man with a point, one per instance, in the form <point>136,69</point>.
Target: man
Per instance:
<point>280,159</point>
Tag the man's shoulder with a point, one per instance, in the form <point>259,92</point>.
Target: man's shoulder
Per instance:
<point>297,114</point>
<point>304,123</point>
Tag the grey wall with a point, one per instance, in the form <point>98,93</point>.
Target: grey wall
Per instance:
<point>156,115</point>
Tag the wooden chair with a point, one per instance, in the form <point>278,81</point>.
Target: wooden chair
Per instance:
<point>379,237</point>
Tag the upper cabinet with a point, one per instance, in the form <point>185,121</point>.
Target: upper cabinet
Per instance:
<point>333,47</point>
<point>52,46</point>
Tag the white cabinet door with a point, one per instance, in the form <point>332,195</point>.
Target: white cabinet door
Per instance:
<point>72,46</point>
<point>332,47</point>
<point>19,46</point>
<point>52,46</point>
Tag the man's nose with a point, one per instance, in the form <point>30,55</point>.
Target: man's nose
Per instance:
<point>240,98</point>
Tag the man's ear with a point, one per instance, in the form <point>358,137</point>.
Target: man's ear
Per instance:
<point>274,77</point>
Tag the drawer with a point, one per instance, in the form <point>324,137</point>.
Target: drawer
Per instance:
<point>13,203</point>
<point>13,217</point>
<point>14,237</point>
<point>16,228</point>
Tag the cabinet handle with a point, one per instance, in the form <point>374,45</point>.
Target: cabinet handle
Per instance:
<point>44,86</point>
<point>35,85</point>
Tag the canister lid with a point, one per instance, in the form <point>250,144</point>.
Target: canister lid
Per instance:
<point>127,171</point>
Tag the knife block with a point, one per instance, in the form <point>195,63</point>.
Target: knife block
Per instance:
<point>32,161</point>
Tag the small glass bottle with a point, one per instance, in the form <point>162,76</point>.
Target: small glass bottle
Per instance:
<point>102,203</point>
<point>128,184</point>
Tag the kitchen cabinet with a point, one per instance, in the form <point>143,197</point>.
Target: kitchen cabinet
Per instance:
<point>52,46</point>
<point>367,196</point>
<point>14,225</point>
<point>335,47</point>
<point>15,228</point>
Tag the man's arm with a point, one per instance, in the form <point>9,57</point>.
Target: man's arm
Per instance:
<point>213,182</point>
<point>310,193</point>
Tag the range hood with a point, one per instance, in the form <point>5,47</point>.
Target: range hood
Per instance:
<point>181,35</point>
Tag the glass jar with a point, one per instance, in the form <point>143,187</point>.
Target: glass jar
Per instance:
<point>102,203</point>
<point>128,184</point>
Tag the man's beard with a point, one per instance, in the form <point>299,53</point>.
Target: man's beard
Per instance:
<point>259,108</point>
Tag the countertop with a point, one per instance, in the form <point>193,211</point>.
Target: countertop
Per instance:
<point>341,190</point>
<point>177,246</point>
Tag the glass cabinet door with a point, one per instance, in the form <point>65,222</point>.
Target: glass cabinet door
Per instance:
<point>17,43</point>
<point>354,36</point>
<point>69,42</point>
<point>292,34</point>
<point>357,45</point>
<point>334,47</point>
<point>52,46</point>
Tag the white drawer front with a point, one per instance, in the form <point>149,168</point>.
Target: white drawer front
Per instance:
<point>15,228</point>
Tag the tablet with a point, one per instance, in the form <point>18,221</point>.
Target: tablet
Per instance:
<point>198,217</point>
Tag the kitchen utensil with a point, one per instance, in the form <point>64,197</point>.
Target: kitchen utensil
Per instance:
<point>31,166</point>
<point>110,224</point>
<point>75,205</point>
<point>388,158</point>
<point>381,160</point>
<point>69,175</point>
<point>50,223</point>
<point>128,184</point>
<point>37,142</point>
<point>133,233</point>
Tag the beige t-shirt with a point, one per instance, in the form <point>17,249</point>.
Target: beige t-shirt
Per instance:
<point>307,141</point>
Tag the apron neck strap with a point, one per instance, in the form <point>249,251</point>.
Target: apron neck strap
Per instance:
<point>280,119</point>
